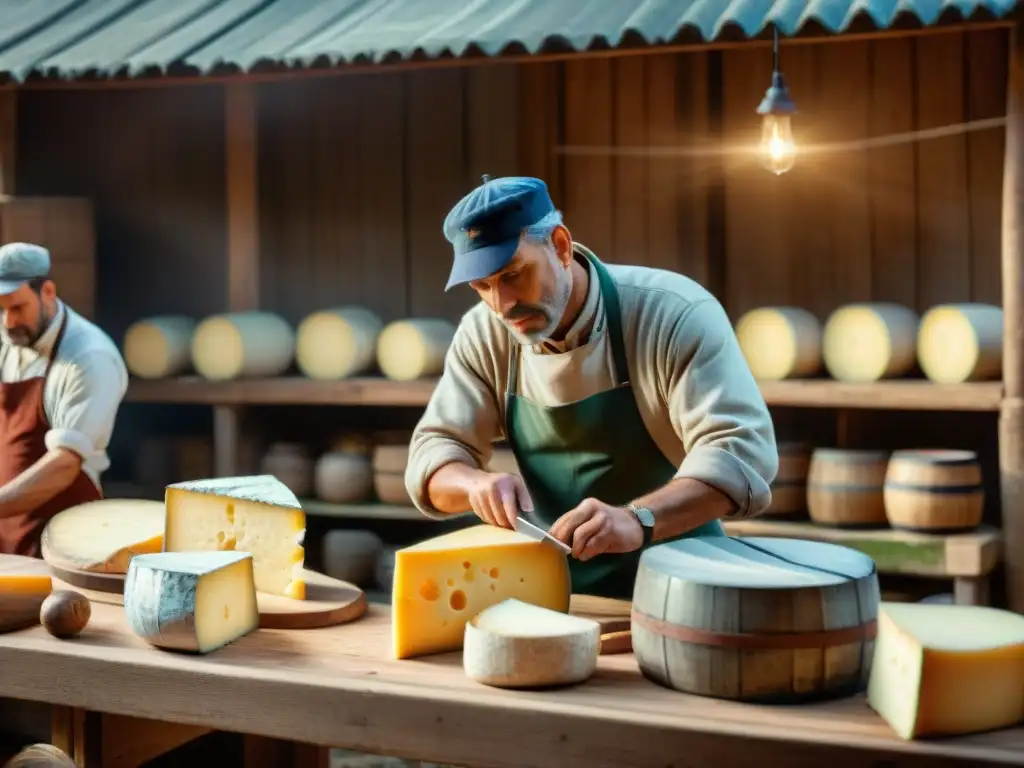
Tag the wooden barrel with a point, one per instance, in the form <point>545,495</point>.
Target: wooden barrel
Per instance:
<point>934,491</point>
<point>789,489</point>
<point>844,487</point>
<point>755,619</point>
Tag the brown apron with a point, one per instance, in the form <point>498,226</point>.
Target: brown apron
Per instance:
<point>23,428</point>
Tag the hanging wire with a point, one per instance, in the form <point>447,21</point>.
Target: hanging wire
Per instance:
<point>775,48</point>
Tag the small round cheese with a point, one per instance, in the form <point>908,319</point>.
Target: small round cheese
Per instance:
<point>869,342</point>
<point>159,346</point>
<point>343,477</point>
<point>242,345</point>
<point>961,342</point>
<point>780,342</point>
<point>518,645</point>
<point>414,349</point>
<point>337,343</point>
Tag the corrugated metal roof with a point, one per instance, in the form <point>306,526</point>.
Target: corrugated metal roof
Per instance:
<point>72,38</point>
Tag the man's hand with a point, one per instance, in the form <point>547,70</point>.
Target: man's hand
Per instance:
<point>594,528</point>
<point>497,497</point>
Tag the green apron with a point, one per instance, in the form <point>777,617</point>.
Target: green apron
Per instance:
<point>598,448</point>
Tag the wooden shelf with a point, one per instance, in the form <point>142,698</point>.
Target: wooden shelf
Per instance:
<point>915,395</point>
<point>368,511</point>
<point>970,554</point>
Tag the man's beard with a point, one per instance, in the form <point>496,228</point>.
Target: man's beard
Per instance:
<point>26,336</point>
<point>551,307</point>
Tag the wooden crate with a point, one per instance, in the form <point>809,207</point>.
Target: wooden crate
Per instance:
<point>64,225</point>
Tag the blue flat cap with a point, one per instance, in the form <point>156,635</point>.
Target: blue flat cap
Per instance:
<point>21,262</point>
<point>484,227</point>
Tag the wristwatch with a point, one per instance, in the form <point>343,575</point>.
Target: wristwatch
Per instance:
<point>645,517</point>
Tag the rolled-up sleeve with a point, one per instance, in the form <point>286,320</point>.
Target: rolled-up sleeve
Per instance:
<point>82,418</point>
<point>461,421</point>
<point>718,411</point>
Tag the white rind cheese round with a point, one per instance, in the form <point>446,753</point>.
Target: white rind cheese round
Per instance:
<point>518,645</point>
<point>292,465</point>
<point>780,342</point>
<point>414,349</point>
<point>159,347</point>
<point>191,601</point>
<point>242,345</point>
<point>343,477</point>
<point>103,536</point>
<point>337,343</point>
<point>869,342</point>
<point>961,342</point>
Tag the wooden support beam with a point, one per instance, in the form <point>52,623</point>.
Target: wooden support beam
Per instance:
<point>8,141</point>
<point>1011,414</point>
<point>242,179</point>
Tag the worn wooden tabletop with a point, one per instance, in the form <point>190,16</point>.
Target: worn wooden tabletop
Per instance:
<point>340,687</point>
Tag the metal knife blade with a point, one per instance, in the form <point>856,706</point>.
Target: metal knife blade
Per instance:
<point>527,528</point>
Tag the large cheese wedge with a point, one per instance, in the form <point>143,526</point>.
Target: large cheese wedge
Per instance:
<point>256,514</point>
<point>159,346</point>
<point>191,601</point>
<point>414,349</point>
<point>518,645</point>
<point>103,536</point>
<point>943,670</point>
<point>961,342</point>
<point>337,343</point>
<point>868,342</point>
<point>242,345</point>
<point>442,583</point>
<point>780,342</point>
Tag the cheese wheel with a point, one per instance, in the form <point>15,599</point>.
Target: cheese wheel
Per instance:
<point>343,478</point>
<point>242,345</point>
<point>961,342</point>
<point>780,342</point>
<point>103,536</point>
<point>947,670</point>
<point>159,346</point>
<point>518,645</point>
<point>390,458</point>
<point>868,342</point>
<point>414,349</point>
<point>337,343</point>
<point>292,465</point>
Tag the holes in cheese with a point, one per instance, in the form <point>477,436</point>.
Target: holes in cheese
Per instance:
<point>259,515</point>
<point>868,342</point>
<point>517,645</point>
<point>242,344</point>
<point>441,583</point>
<point>780,342</point>
<point>191,601</point>
<point>961,342</point>
<point>337,343</point>
<point>413,349</point>
<point>103,536</point>
<point>158,347</point>
<point>944,670</point>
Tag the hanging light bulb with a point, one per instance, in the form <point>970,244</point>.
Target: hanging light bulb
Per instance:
<point>778,150</point>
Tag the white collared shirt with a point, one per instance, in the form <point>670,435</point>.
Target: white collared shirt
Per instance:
<point>84,390</point>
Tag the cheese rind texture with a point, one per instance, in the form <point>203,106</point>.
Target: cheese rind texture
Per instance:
<point>412,349</point>
<point>159,346</point>
<point>517,645</point>
<point>103,536</point>
<point>946,670</point>
<point>242,345</point>
<point>442,583</point>
<point>780,342</point>
<point>337,343</point>
<point>869,342</point>
<point>259,515</point>
<point>191,601</point>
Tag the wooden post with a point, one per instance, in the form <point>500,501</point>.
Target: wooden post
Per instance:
<point>8,141</point>
<point>1011,413</point>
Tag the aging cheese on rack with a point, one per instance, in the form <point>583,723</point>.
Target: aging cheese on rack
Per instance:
<point>441,583</point>
<point>518,645</point>
<point>337,343</point>
<point>343,477</point>
<point>945,670</point>
<point>414,349</point>
<point>869,342</point>
<point>248,514</point>
<point>242,345</point>
<point>292,465</point>
<point>103,536</point>
<point>191,601</point>
<point>158,347</point>
<point>961,342</point>
<point>780,342</point>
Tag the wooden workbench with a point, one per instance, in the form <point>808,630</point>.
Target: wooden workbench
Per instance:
<point>339,687</point>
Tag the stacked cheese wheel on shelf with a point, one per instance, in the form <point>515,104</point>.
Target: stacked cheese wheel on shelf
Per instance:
<point>961,342</point>
<point>337,343</point>
<point>243,345</point>
<point>344,473</point>
<point>414,349</point>
<point>159,347</point>
<point>780,342</point>
<point>870,342</point>
<point>389,462</point>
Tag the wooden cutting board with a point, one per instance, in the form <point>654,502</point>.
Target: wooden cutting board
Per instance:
<point>612,615</point>
<point>328,601</point>
<point>20,611</point>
